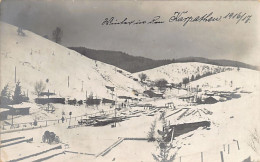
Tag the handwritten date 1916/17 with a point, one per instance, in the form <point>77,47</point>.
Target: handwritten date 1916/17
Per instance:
<point>244,17</point>
<point>126,21</point>
<point>183,17</point>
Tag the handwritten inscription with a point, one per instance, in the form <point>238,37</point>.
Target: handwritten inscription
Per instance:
<point>126,21</point>
<point>183,17</point>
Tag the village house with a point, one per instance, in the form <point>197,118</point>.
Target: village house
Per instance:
<point>20,109</point>
<point>4,113</point>
<point>152,94</point>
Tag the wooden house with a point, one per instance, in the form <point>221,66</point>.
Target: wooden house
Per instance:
<point>4,113</point>
<point>20,109</point>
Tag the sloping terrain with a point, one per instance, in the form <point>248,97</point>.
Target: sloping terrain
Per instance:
<point>175,72</point>
<point>64,71</point>
<point>244,80</point>
<point>220,62</point>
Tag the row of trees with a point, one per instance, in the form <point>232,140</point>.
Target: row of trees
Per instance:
<point>163,82</point>
<point>7,98</point>
<point>186,80</point>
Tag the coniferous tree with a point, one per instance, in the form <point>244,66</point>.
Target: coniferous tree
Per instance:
<point>164,146</point>
<point>17,97</point>
<point>5,98</point>
<point>192,78</point>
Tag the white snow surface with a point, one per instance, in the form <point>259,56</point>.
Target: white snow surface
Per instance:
<point>175,72</point>
<point>231,120</point>
<point>37,58</point>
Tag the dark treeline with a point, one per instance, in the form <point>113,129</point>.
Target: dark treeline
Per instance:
<point>136,63</point>
<point>122,60</point>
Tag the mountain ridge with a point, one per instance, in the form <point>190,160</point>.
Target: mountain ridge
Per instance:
<point>135,64</point>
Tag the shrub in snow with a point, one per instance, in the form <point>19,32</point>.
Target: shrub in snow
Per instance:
<point>50,137</point>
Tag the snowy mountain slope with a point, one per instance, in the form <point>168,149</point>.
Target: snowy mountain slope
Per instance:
<point>37,58</point>
<point>175,72</point>
<point>245,79</point>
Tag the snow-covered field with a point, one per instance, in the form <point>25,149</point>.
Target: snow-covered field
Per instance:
<point>231,120</point>
<point>37,58</point>
<point>244,79</point>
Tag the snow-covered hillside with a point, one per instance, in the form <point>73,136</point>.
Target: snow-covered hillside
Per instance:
<point>175,72</point>
<point>243,80</point>
<point>37,58</point>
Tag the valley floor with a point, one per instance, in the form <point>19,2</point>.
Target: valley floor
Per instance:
<point>231,121</point>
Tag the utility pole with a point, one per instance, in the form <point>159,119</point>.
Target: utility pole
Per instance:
<point>48,99</point>
<point>12,115</point>
<point>86,97</point>
<point>82,86</point>
<point>70,117</point>
<point>68,81</point>
<point>115,116</point>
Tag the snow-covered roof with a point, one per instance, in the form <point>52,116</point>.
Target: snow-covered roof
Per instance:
<point>22,105</point>
<point>3,110</point>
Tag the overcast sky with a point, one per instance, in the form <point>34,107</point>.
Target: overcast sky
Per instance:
<point>81,25</point>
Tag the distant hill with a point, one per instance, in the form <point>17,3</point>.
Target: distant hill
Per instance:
<point>135,64</point>
<point>122,60</point>
<point>221,62</point>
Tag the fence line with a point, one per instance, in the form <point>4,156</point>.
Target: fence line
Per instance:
<point>220,152</point>
<point>45,122</point>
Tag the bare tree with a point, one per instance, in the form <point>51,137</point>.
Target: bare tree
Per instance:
<point>39,87</point>
<point>20,31</point>
<point>142,76</point>
<point>57,35</point>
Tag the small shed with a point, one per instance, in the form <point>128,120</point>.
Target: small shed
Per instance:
<point>20,109</point>
<point>105,101</point>
<point>4,113</point>
<point>153,94</point>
